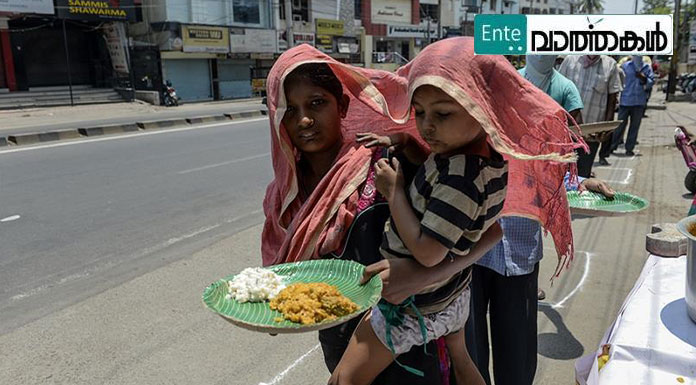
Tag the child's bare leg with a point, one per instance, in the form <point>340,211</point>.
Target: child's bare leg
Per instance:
<point>465,371</point>
<point>365,358</point>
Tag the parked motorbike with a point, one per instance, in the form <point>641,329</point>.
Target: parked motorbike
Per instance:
<point>169,97</point>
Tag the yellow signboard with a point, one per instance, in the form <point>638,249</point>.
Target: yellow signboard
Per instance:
<point>325,43</point>
<point>258,85</point>
<point>329,27</point>
<point>205,39</point>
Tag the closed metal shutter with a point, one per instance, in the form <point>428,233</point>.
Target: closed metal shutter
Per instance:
<point>235,78</point>
<point>190,78</point>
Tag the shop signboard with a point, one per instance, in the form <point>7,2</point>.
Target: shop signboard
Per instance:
<point>329,27</point>
<point>391,12</point>
<point>205,39</point>
<point>417,31</point>
<point>258,85</point>
<point>325,43</point>
<point>253,40</point>
<point>349,45</point>
<point>96,10</point>
<point>302,38</point>
<point>115,34</point>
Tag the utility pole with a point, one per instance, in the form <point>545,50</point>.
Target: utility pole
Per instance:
<point>439,19</point>
<point>288,24</point>
<point>67,61</point>
<point>635,8</point>
<point>671,82</point>
<point>427,32</point>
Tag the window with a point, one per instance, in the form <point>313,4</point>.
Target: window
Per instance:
<point>493,5</point>
<point>429,10</point>
<point>525,10</point>
<point>546,1</point>
<point>552,11</point>
<point>545,11</point>
<point>246,11</point>
<point>358,9</point>
<point>537,11</point>
<point>300,10</point>
<point>560,11</point>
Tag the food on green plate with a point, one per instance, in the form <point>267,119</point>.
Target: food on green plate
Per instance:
<point>309,303</point>
<point>254,284</point>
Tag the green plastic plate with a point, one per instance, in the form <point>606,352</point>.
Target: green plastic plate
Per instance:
<point>595,204</point>
<point>258,316</point>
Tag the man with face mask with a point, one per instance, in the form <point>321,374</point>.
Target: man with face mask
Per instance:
<point>597,78</point>
<point>638,81</point>
<point>540,72</point>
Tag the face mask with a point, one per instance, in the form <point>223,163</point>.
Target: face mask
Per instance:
<point>637,61</point>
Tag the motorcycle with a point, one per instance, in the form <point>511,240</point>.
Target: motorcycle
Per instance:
<point>169,97</point>
<point>682,138</point>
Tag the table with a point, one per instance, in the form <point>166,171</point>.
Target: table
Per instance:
<point>653,340</point>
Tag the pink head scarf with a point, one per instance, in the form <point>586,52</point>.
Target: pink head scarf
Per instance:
<point>296,230</point>
<point>522,122</point>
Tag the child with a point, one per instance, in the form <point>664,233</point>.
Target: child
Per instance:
<point>457,193</point>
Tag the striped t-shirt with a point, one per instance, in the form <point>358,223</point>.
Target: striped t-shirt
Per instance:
<point>456,199</point>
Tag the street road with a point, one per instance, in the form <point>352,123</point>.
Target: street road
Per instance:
<point>92,215</point>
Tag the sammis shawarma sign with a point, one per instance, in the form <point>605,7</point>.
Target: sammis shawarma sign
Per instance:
<point>96,9</point>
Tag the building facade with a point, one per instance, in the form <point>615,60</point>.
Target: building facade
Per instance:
<point>47,44</point>
<point>545,7</point>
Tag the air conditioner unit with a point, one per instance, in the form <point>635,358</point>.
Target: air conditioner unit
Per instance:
<point>297,18</point>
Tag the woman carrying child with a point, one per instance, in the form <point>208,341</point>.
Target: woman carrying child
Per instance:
<point>324,183</point>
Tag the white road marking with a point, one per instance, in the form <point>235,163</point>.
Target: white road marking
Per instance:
<point>10,218</point>
<point>577,287</point>
<point>224,163</point>
<point>126,136</point>
<point>626,180</point>
<point>200,231</point>
<point>292,366</point>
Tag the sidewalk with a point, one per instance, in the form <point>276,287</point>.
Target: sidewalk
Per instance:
<point>37,120</point>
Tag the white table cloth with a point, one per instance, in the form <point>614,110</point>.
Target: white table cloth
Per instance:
<point>653,340</point>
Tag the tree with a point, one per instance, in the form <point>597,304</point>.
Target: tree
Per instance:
<point>657,7</point>
<point>589,6</point>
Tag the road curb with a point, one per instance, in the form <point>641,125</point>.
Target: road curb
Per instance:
<point>162,123</point>
<point>245,115</point>
<point>108,130</point>
<point>206,119</point>
<point>39,137</point>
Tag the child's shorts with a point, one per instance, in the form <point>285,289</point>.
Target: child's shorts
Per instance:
<point>404,337</point>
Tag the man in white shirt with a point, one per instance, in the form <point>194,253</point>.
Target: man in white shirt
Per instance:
<point>597,78</point>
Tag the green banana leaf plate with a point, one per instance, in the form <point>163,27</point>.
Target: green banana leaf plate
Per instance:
<point>595,204</point>
<point>258,316</point>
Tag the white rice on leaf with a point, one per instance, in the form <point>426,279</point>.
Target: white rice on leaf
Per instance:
<point>254,284</point>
